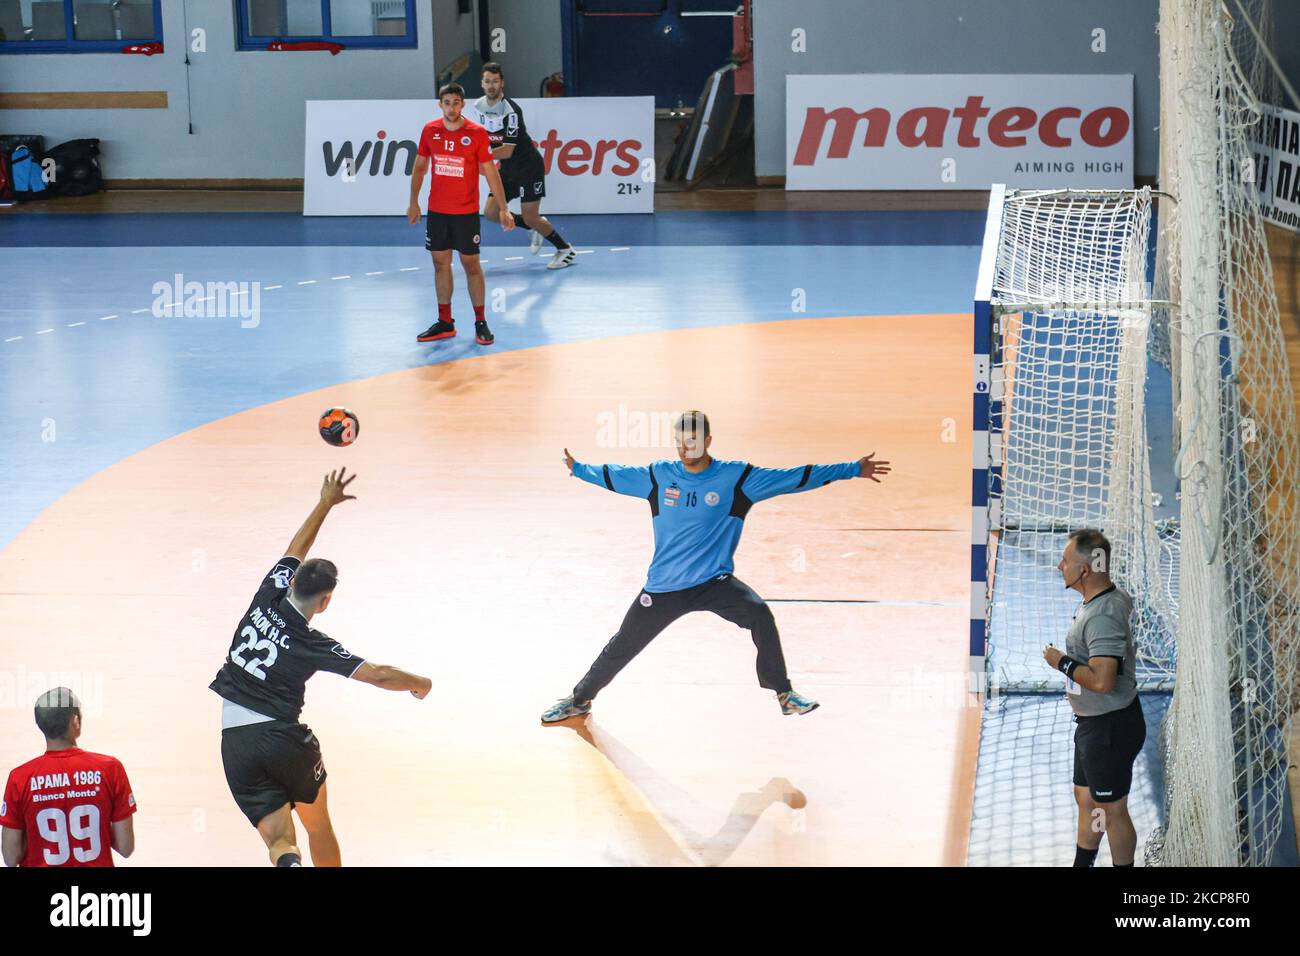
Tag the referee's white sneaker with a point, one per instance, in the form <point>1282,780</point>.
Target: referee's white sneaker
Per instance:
<point>535,243</point>
<point>563,258</point>
<point>792,703</point>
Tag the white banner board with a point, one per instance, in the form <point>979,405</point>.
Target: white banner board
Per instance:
<point>1277,166</point>
<point>598,152</point>
<point>958,131</point>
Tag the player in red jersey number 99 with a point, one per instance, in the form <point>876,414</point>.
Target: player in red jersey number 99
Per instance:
<point>68,807</point>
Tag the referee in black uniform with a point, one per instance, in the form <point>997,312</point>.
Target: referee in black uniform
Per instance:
<point>273,763</point>
<point>1099,664</point>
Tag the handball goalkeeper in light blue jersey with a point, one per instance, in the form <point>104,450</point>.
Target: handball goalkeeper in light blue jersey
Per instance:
<point>698,506</point>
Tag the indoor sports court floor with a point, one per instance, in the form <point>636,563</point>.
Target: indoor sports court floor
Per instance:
<point>156,467</point>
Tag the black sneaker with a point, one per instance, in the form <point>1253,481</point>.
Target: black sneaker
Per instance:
<point>482,334</point>
<point>439,330</point>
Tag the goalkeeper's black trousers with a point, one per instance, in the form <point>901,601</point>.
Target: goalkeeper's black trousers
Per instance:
<point>726,596</point>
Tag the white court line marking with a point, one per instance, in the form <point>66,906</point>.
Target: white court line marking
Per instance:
<point>73,325</point>
<point>138,311</point>
<point>236,295</point>
<point>208,298</point>
<point>513,258</point>
<point>410,269</point>
<point>337,278</point>
<point>43,331</point>
<point>105,318</point>
<point>307,282</point>
<point>14,339</point>
<point>374,273</point>
<point>270,287</point>
<point>849,555</point>
<point>584,252</point>
<point>619,248</point>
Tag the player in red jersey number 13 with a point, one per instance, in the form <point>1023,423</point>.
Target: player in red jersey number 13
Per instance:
<point>457,150</point>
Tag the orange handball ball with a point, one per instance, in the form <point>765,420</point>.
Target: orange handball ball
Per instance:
<point>339,427</point>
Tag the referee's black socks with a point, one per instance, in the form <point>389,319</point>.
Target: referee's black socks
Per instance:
<point>519,221</point>
<point>1084,857</point>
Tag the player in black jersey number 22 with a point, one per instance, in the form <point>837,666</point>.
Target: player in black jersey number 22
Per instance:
<point>273,763</point>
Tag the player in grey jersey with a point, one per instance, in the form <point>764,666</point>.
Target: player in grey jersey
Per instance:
<point>523,172</point>
<point>1099,665</point>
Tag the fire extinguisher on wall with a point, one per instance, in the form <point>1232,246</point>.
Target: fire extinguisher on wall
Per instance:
<point>553,85</point>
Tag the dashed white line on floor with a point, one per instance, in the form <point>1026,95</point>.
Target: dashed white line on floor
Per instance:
<point>619,248</point>
<point>169,305</point>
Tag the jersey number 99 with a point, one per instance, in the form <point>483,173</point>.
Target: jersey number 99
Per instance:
<point>80,823</point>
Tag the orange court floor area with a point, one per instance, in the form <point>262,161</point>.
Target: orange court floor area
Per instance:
<point>473,557</point>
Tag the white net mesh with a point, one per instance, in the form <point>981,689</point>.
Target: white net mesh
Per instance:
<point>1225,738</point>
<point>1071,316</point>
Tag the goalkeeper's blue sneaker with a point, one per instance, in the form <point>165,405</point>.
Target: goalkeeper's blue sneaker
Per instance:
<point>792,703</point>
<point>565,708</point>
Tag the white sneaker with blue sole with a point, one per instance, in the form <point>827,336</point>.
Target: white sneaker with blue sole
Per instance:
<point>564,708</point>
<point>793,703</point>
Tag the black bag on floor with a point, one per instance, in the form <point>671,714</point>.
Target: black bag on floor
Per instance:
<point>76,168</point>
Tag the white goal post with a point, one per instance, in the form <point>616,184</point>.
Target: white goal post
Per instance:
<point>1062,311</point>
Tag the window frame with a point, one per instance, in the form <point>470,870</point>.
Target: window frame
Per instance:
<point>247,43</point>
<point>69,43</point>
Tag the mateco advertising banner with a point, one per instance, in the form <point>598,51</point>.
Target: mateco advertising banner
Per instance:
<point>960,131</point>
<point>1276,145</point>
<point>598,152</point>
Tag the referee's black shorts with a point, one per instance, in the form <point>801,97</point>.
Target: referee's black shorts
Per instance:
<point>445,231</point>
<point>1105,748</point>
<point>271,764</point>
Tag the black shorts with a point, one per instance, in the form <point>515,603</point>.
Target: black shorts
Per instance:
<point>447,231</point>
<point>528,187</point>
<point>1105,748</point>
<point>271,764</point>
